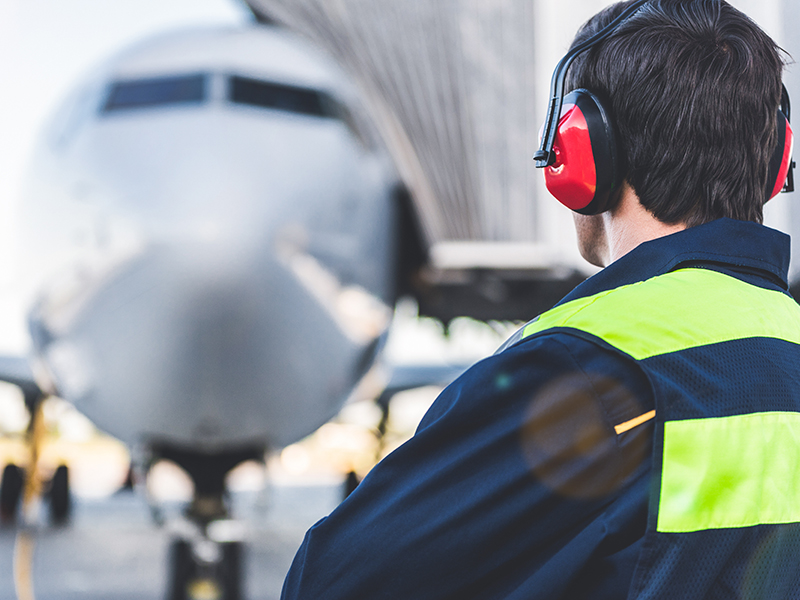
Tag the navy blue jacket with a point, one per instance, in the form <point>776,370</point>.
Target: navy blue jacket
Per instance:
<point>544,470</point>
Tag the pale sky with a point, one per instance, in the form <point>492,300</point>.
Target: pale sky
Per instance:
<point>46,46</point>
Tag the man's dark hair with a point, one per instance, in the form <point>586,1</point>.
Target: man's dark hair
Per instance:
<point>693,87</point>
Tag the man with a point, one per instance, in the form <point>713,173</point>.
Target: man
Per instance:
<point>641,439</point>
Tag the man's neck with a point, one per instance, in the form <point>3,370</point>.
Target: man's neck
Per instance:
<point>630,224</point>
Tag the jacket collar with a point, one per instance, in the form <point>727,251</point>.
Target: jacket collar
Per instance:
<point>724,244</point>
<point>749,251</point>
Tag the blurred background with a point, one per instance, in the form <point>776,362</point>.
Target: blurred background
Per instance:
<point>243,246</point>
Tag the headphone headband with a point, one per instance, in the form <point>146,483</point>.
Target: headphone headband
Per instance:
<point>545,156</point>
<point>786,109</point>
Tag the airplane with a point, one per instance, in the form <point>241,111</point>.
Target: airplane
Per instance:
<point>214,238</point>
<point>215,235</point>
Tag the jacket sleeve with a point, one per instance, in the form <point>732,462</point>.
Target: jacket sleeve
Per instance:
<point>514,482</point>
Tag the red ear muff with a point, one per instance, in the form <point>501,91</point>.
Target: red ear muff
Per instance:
<point>585,171</point>
<point>781,162</point>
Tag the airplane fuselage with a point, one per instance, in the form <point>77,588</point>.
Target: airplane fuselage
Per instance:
<point>211,237</point>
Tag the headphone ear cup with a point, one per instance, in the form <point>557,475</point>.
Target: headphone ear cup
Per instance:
<point>586,169</point>
<point>781,161</point>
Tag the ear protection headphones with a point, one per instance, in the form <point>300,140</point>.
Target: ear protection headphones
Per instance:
<point>579,152</point>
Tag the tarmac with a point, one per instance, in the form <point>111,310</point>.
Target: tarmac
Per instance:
<point>112,548</point>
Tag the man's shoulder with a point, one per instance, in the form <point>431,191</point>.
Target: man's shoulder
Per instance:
<point>514,376</point>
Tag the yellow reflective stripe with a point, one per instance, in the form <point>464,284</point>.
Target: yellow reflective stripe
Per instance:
<point>727,472</point>
<point>679,310</point>
<point>628,425</point>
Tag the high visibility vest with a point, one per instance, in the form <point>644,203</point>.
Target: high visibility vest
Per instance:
<point>723,359</point>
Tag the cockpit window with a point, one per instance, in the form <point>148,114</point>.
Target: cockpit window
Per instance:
<point>156,91</point>
<point>278,96</point>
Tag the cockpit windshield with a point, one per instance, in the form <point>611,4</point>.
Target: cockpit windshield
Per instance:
<point>196,88</point>
<point>279,96</point>
<point>156,91</point>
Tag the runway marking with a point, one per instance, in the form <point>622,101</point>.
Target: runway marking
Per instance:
<point>23,564</point>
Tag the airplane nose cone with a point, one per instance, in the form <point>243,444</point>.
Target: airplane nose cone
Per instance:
<point>234,345</point>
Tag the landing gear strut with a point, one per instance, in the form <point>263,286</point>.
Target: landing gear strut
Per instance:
<point>206,554</point>
<point>17,485</point>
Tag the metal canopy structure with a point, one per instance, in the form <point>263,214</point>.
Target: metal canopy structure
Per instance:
<point>451,85</point>
<point>458,89</point>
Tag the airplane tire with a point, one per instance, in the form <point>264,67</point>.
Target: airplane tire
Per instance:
<point>60,501</point>
<point>350,484</point>
<point>231,570</point>
<point>181,570</point>
<point>10,493</point>
<point>183,574</point>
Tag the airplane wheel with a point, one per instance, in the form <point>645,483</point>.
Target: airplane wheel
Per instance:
<point>350,484</point>
<point>231,571</point>
<point>181,570</point>
<point>189,581</point>
<point>60,504</point>
<point>130,481</point>
<point>10,493</point>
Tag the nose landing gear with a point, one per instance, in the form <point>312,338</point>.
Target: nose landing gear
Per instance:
<point>207,551</point>
<point>202,568</point>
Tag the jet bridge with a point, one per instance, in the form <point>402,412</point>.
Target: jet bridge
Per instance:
<point>458,90</point>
